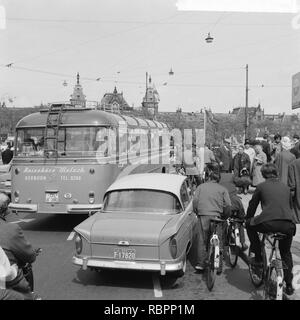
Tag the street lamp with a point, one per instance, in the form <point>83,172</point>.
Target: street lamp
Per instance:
<point>171,72</point>
<point>209,38</point>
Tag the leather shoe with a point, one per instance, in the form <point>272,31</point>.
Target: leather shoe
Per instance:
<point>199,268</point>
<point>289,290</point>
<point>244,247</point>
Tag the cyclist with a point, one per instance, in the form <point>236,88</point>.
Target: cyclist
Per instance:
<point>211,200</point>
<point>237,208</point>
<point>276,216</point>
<point>188,161</point>
<point>18,250</point>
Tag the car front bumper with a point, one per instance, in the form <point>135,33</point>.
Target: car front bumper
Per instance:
<point>161,266</point>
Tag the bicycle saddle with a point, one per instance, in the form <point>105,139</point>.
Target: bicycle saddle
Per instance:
<point>217,220</point>
<point>277,235</point>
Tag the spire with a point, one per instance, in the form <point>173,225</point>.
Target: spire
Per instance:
<point>115,90</point>
<point>149,79</point>
<point>78,78</point>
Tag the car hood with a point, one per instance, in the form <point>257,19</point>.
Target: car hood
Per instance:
<point>137,229</point>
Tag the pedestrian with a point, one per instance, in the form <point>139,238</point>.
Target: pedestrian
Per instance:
<point>7,154</point>
<point>250,152</point>
<point>211,200</point>
<point>259,160</point>
<point>276,216</point>
<point>266,148</point>
<point>224,156</point>
<point>296,149</point>
<point>276,147</point>
<point>241,170</point>
<point>283,159</point>
<point>294,184</point>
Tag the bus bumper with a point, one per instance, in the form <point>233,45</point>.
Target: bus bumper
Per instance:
<point>62,209</point>
<point>15,207</point>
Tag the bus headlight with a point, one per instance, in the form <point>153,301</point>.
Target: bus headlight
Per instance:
<point>78,243</point>
<point>91,197</point>
<point>17,195</point>
<point>173,247</point>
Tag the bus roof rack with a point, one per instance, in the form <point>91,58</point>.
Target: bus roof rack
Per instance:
<point>68,106</point>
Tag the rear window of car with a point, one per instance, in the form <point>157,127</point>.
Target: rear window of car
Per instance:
<point>142,201</point>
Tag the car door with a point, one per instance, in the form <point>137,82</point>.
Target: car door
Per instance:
<point>185,232</point>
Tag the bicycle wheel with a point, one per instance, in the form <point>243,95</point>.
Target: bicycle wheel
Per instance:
<point>233,249</point>
<point>211,270</point>
<point>273,289</point>
<point>256,274</point>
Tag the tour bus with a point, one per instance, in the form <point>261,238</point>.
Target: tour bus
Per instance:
<point>66,157</point>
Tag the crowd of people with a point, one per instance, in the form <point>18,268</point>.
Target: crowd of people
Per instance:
<point>272,168</point>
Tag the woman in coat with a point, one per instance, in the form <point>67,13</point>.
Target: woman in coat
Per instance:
<point>259,159</point>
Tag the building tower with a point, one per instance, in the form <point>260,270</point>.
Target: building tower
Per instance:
<point>151,99</point>
<point>78,98</point>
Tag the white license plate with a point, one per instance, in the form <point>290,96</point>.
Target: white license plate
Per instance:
<point>52,197</point>
<point>124,254</point>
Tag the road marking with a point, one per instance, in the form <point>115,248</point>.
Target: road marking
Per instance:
<point>23,220</point>
<point>156,286</point>
<point>71,236</point>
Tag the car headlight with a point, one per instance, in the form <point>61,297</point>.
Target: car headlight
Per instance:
<point>78,243</point>
<point>173,247</point>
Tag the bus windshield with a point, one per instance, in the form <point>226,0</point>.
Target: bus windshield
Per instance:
<point>71,142</point>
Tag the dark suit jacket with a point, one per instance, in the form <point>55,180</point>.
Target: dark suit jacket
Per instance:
<point>296,150</point>
<point>275,199</point>
<point>7,155</point>
<point>13,242</point>
<point>225,156</point>
<point>266,149</point>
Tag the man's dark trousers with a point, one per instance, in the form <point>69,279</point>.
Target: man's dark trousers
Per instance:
<point>282,226</point>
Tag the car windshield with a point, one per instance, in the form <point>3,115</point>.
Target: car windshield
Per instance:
<point>142,201</point>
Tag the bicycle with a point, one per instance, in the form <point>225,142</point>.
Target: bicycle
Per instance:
<point>233,239</point>
<point>214,255</point>
<point>271,271</point>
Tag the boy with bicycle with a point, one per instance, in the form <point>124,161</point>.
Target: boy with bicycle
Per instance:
<point>211,200</point>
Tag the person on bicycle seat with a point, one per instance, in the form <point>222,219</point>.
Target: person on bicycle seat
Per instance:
<point>211,200</point>
<point>18,250</point>
<point>237,208</point>
<point>188,161</point>
<point>276,216</point>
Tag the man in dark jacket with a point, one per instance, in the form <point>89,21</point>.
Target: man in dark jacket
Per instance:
<point>7,154</point>
<point>276,216</point>
<point>224,156</point>
<point>18,250</point>
<point>266,147</point>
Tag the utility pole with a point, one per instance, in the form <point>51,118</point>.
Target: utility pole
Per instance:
<point>246,106</point>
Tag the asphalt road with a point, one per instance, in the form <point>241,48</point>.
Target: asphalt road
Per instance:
<point>58,279</point>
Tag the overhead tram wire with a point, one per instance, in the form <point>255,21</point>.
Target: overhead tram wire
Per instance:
<point>141,83</point>
<point>145,24</point>
<point>90,21</point>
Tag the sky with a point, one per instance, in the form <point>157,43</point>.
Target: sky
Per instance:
<point>48,41</point>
